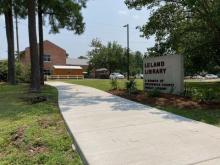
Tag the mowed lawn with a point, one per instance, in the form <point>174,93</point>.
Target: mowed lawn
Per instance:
<point>213,86</point>
<point>104,84</point>
<point>210,116</point>
<point>33,133</point>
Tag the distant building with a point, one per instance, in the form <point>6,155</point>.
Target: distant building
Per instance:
<point>55,60</point>
<point>67,70</point>
<point>84,63</point>
<point>102,73</point>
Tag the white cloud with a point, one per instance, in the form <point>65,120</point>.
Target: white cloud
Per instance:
<point>122,12</point>
<point>136,17</point>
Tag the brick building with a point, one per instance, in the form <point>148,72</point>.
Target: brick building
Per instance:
<point>54,56</point>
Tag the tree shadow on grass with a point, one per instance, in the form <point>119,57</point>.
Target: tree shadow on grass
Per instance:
<point>13,107</point>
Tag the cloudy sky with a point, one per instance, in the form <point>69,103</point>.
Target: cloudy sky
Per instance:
<point>104,20</point>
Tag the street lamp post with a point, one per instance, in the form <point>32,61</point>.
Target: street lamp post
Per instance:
<point>128,62</point>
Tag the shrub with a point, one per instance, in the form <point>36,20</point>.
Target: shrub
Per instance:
<point>22,72</point>
<point>187,92</point>
<point>114,84</point>
<point>196,94</point>
<point>154,93</point>
<point>204,94</point>
<point>209,95</point>
<point>201,94</point>
<point>3,71</point>
<point>131,86</point>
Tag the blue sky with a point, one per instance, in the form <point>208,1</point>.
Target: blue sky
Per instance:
<point>104,20</point>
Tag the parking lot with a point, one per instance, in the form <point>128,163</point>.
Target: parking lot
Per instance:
<point>202,80</point>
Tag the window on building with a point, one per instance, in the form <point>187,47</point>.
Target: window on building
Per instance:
<point>47,58</point>
<point>47,72</point>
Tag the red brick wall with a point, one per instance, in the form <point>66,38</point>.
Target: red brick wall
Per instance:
<point>58,55</point>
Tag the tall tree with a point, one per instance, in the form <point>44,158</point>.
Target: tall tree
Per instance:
<point>35,69</point>
<point>7,7</point>
<point>188,27</point>
<point>41,40</point>
<point>113,57</point>
<point>62,14</point>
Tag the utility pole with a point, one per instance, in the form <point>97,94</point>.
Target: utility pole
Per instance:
<point>16,27</point>
<point>128,58</point>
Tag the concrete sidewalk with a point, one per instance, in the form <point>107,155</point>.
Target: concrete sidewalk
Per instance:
<point>109,130</point>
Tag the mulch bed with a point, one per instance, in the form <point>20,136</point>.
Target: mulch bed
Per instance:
<point>166,100</point>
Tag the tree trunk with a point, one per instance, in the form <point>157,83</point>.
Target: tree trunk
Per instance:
<point>35,68</point>
<point>41,40</point>
<point>17,37</point>
<point>10,42</point>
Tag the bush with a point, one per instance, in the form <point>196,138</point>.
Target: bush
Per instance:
<point>22,72</point>
<point>202,94</point>
<point>209,95</point>
<point>187,92</point>
<point>154,93</point>
<point>131,86</point>
<point>196,94</point>
<point>3,71</point>
<point>114,84</point>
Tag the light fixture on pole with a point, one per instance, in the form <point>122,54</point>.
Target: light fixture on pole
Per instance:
<point>128,70</point>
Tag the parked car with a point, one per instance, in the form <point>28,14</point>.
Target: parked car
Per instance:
<point>187,77</point>
<point>197,77</point>
<point>211,76</point>
<point>116,76</point>
<point>141,76</point>
<point>218,75</point>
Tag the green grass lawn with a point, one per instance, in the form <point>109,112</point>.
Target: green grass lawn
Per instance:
<point>104,84</point>
<point>33,133</point>
<point>211,116</point>
<point>215,86</point>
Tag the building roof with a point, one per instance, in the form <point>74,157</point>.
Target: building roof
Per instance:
<point>66,67</point>
<point>47,41</point>
<point>77,62</point>
<point>101,69</point>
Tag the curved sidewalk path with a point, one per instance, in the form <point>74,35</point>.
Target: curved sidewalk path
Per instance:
<point>109,130</point>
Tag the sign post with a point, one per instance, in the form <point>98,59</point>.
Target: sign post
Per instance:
<point>164,73</point>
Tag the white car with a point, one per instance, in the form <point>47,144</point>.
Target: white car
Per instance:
<point>141,76</point>
<point>116,76</point>
<point>211,76</point>
<point>197,77</point>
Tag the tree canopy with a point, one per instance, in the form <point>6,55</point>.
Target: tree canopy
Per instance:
<point>188,27</point>
<point>64,14</point>
<point>60,14</point>
<point>113,57</point>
